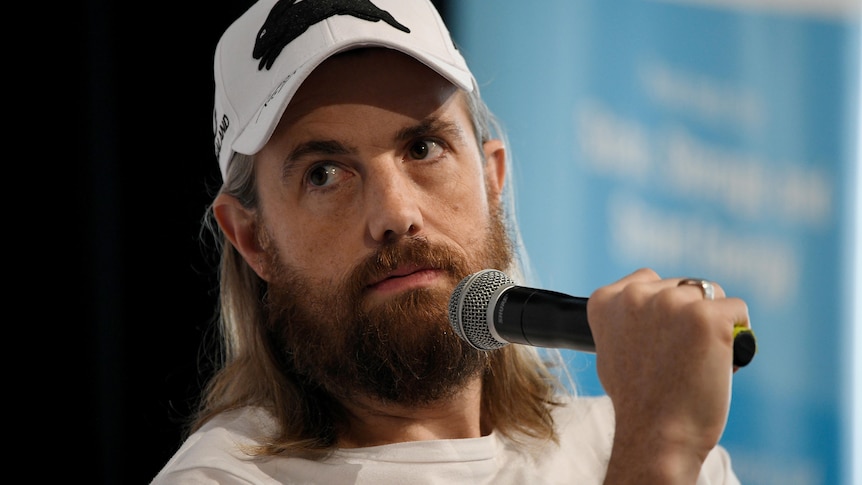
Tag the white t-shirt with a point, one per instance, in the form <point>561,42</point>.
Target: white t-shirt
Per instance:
<point>586,428</point>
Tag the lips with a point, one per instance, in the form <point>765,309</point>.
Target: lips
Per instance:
<point>400,272</point>
<point>403,278</point>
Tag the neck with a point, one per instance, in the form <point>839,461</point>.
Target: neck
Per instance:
<point>373,423</point>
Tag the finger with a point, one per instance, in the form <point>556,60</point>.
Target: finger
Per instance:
<point>643,275</point>
<point>709,290</point>
<point>644,281</point>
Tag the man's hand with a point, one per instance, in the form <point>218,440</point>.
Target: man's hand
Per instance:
<point>664,355</point>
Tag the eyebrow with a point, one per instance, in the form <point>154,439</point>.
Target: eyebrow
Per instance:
<point>429,126</point>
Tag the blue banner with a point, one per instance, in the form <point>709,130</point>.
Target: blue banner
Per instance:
<point>705,141</point>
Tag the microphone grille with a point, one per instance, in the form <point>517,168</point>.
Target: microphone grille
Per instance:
<point>468,307</point>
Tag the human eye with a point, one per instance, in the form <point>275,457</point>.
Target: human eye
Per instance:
<point>324,175</point>
<point>426,149</point>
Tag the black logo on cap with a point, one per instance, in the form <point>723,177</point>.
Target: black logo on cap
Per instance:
<point>288,19</point>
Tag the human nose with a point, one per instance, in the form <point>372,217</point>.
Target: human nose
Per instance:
<point>393,206</point>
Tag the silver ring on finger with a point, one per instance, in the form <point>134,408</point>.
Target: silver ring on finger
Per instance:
<point>705,286</point>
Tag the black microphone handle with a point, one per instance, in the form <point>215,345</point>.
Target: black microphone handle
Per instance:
<point>543,318</point>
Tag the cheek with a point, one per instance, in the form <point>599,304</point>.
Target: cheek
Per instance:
<point>307,229</point>
<point>463,186</point>
<point>308,243</point>
<point>466,208</point>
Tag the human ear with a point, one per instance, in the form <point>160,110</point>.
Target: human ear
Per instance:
<point>495,167</point>
<point>239,225</point>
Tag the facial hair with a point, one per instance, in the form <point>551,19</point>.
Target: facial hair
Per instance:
<point>403,351</point>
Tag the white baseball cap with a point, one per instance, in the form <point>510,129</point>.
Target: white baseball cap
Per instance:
<point>266,54</point>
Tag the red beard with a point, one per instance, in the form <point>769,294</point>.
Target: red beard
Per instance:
<point>403,351</point>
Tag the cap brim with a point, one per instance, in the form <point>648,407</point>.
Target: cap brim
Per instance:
<point>261,127</point>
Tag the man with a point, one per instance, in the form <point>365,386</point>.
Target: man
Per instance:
<point>363,179</point>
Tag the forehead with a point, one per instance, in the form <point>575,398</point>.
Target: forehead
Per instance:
<point>377,77</point>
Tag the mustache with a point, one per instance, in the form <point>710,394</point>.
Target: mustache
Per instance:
<point>409,251</point>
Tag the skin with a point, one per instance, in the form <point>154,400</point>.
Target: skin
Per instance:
<point>671,397</point>
<point>378,189</point>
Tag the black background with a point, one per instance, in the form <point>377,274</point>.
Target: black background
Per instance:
<point>119,288</point>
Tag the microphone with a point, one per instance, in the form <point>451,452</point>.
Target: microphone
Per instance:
<point>489,311</point>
